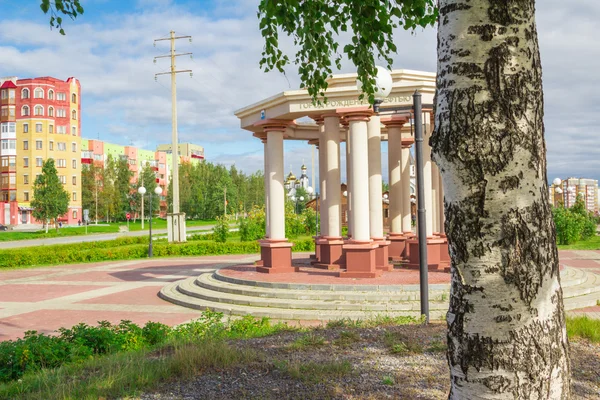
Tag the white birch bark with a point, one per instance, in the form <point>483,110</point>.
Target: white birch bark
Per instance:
<point>506,323</point>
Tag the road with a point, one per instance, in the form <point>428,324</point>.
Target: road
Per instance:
<point>95,237</point>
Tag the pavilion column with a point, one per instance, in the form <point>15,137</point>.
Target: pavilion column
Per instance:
<point>376,194</point>
<point>435,199</point>
<point>331,241</point>
<point>349,186</point>
<point>406,204</point>
<point>323,209</point>
<point>317,256</point>
<point>442,216</point>
<point>434,244</point>
<point>266,177</point>
<point>360,250</point>
<point>276,251</point>
<point>398,194</point>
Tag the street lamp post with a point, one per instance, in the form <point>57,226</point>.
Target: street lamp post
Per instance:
<point>557,183</point>
<point>142,191</point>
<point>158,191</point>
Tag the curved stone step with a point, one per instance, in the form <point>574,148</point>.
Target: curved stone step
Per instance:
<point>324,287</point>
<point>589,286</point>
<point>410,293</point>
<point>171,294</point>
<point>189,288</point>
<point>572,276</point>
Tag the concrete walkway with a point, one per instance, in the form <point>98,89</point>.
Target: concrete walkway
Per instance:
<point>45,299</point>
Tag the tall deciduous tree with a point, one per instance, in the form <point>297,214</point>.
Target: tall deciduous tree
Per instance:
<point>59,8</point>
<point>50,199</point>
<point>506,324</point>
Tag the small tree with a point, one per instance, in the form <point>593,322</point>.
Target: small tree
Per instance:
<point>221,229</point>
<point>50,199</point>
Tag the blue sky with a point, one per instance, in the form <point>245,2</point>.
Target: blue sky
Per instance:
<point>110,49</point>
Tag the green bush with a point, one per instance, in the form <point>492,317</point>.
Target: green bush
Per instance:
<point>221,229</point>
<point>253,226</point>
<point>573,224</point>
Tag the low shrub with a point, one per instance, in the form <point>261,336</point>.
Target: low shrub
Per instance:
<point>221,229</point>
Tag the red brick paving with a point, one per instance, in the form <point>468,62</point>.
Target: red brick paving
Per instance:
<point>48,321</point>
<point>144,296</point>
<point>33,293</point>
<point>135,284</point>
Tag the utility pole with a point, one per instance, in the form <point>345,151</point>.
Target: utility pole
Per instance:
<point>225,201</point>
<point>176,224</point>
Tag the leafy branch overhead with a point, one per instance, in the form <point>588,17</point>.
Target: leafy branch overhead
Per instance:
<point>56,8</point>
<point>317,26</point>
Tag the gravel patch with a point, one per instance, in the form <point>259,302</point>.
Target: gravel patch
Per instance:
<point>397,362</point>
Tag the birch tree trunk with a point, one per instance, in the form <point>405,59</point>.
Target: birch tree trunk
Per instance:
<point>506,323</point>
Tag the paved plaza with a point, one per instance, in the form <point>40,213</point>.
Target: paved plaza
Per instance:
<point>45,299</point>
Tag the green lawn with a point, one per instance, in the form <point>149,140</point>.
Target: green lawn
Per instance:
<point>592,243</point>
<point>113,227</point>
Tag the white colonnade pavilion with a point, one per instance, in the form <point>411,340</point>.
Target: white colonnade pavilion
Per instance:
<point>366,251</point>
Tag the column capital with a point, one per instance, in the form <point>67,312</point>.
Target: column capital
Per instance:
<point>280,125</point>
<point>330,114</point>
<point>319,120</point>
<point>407,141</point>
<point>394,121</point>
<point>314,142</point>
<point>355,113</point>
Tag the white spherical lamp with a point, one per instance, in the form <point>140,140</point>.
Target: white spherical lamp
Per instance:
<point>383,86</point>
<point>556,182</point>
<point>158,190</point>
<point>142,190</point>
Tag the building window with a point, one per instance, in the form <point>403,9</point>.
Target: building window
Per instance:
<point>25,196</point>
<point>61,129</point>
<point>12,163</point>
<point>61,96</point>
<point>4,112</point>
<point>38,127</point>
<point>61,113</point>
<point>25,111</point>
<point>51,94</point>
<point>51,145</point>
<point>74,180</point>
<point>51,129</point>
<point>38,145</point>
<point>62,146</point>
<point>25,128</point>
<point>61,163</point>
<point>26,179</point>
<point>39,162</point>
<point>51,111</point>
<point>11,111</point>
<point>63,179</point>
<point>8,144</point>
<point>13,196</point>
<point>8,127</point>
<point>73,114</point>
<point>25,144</point>
<point>74,214</point>
<point>74,147</point>
<point>73,98</point>
<point>4,94</point>
<point>25,162</point>
<point>74,130</point>
<point>25,93</point>
<point>38,110</point>
<point>74,196</point>
<point>38,93</point>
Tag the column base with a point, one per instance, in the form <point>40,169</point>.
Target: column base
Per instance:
<point>360,260</point>
<point>331,253</point>
<point>317,256</point>
<point>435,246</point>
<point>382,261</point>
<point>276,257</point>
<point>397,249</point>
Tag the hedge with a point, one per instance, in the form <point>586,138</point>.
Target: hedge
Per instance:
<point>126,249</point>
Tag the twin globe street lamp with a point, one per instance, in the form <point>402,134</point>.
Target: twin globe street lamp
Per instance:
<point>142,191</point>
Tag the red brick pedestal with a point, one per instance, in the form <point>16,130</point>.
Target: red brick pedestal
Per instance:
<point>397,249</point>
<point>331,254</point>
<point>276,256</point>
<point>382,260</point>
<point>444,253</point>
<point>317,256</point>
<point>434,262</point>
<point>360,260</point>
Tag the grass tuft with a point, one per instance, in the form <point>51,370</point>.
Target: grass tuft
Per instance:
<point>584,327</point>
<point>308,340</point>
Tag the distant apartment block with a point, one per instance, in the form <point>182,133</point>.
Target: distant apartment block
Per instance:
<point>39,120</point>
<point>96,152</point>
<point>570,188</point>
